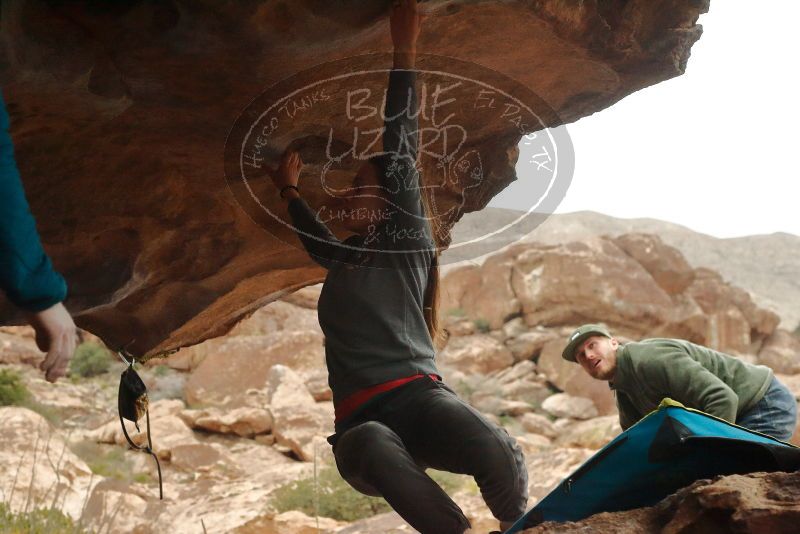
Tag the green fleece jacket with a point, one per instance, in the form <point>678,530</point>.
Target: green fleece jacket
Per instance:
<point>696,376</point>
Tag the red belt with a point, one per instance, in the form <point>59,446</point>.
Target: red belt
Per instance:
<point>349,404</point>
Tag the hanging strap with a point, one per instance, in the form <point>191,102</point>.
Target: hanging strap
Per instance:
<point>148,449</point>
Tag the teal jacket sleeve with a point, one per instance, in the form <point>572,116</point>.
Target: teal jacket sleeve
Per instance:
<point>26,274</point>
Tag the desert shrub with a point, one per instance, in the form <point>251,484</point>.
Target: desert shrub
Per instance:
<point>456,312</point>
<point>511,424</point>
<point>506,420</point>
<point>463,388</point>
<point>52,414</point>
<point>161,370</point>
<point>110,464</point>
<point>12,391</point>
<point>39,521</point>
<point>338,500</point>
<point>90,359</point>
<point>109,461</point>
<point>482,325</point>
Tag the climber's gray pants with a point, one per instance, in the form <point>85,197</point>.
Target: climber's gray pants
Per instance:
<point>384,449</point>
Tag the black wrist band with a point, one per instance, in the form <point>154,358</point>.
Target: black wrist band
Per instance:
<point>284,188</point>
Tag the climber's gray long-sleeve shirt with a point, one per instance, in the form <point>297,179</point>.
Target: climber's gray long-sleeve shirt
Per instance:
<point>371,305</point>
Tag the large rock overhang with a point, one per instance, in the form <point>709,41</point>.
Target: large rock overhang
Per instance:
<point>120,114</point>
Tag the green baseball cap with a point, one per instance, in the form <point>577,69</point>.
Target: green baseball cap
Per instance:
<point>580,335</point>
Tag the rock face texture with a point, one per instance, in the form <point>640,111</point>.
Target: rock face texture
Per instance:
<point>120,114</point>
<point>759,502</point>
<point>636,284</point>
<point>619,282</point>
<point>26,437</point>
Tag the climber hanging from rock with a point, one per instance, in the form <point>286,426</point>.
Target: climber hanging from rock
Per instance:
<point>394,415</point>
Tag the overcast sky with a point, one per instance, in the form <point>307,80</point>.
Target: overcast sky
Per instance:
<point>715,149</point>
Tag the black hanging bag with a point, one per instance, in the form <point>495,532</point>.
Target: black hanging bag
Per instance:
<point>133,404</point>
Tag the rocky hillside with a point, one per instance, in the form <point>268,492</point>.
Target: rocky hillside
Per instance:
<point>238,419</point>
<point>768,266</point>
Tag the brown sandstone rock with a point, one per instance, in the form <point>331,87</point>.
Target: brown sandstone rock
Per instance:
<point>15,349</point>
<point>244,421</point>
<point>265,439</point>
<point>453,287</point>
<point>584,282</point>
<point>571,378</point>
<point>63,395</point>
<point>514,327</point>
<point>196,457</point>
<point>305,297</point>
<point>688,321</point>
<point>385,523</point>
<point>168,429</point>
<point>634,283</point>
<point>734,320</point>
<point>519,371</point>
<point>492,299</point>
<point>299,422</point>
<point>317,384</point>
<point>459,326</point>
<point>594,433</point>
<point>665,264</point>
<point>120,117</point>
<point>281,315</point>
<point>528,391</point>
<point>239,363</point>
<point>549,467</point>
<point>514,389</point>
<point>759,502</point>
<point>781,352</point>
<point>564,405</point>
<point>533,443</point>
<point>38,468</point>
<point>291,522</point>
<point>116,506</point>
<point>521,382</point>
<point>224,497</point>
<point>478,353</point>
<point>538,424</point>
<point>22,331</point>
<point>498,406</point>
<point>278,316</point>
<point>528,345</point>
